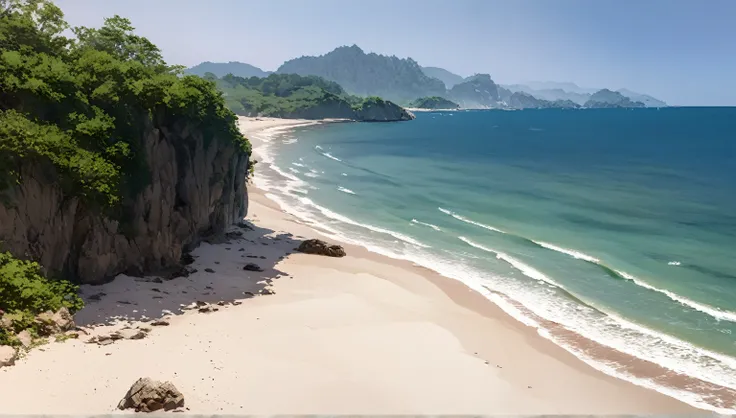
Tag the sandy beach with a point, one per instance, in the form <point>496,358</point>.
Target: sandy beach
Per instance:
<point>362,334</point>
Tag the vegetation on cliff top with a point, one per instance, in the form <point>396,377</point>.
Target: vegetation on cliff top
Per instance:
<point>75,110</point>
<point>81,104</point>
<point>292,95</point>
<point>434,102</point>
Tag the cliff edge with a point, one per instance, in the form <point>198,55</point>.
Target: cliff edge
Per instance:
<point>111,161</point>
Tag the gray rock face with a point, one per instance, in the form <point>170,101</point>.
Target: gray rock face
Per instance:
<point>196,187</point>
<point>319,247</point>
<point>148,395</point>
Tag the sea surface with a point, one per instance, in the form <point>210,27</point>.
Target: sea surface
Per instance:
<point>613,231</point>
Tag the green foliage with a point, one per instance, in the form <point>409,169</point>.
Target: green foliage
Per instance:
<point>81,105</point>
<point>25,292</point>
<point>285,95</point>
<point>75,111</point>
<point>294,96</point>
<point>434,102</point>
<point>24,289</point>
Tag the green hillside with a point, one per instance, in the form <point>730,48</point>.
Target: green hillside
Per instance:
<point>303,97</point>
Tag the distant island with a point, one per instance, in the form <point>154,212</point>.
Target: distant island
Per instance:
<point>434,102</point>
<point>520,100</point>
<point>610,99</point>
<point>404,82</point>
<point>302,97</point>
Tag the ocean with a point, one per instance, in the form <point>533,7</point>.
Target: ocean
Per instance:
<point>612,231</point>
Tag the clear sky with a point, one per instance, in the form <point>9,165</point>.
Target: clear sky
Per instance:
<point>683,52</point>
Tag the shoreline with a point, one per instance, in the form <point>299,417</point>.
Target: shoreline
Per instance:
<point>591,354</point>
<point>362,334</point>
<point>472,299</point>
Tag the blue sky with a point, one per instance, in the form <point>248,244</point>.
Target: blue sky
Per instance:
<point>683,52</point>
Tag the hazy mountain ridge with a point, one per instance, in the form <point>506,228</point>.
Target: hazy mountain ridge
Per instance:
<point>477,91</point>
<point>522,100</point>
<point>553,91</point>
<point>449,78</point>
<point>221,69</point>
<point>403,80</point>
<point>397,79</point>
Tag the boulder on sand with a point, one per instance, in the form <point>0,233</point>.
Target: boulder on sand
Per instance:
<point>147,395</point>
<point>8,355</point>
<point>319,247</point>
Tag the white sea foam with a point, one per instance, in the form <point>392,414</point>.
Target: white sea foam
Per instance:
<point>470,221</point>
<point>572,253</point>
<point>710,310</point>
<point>344,174</point>
<point>311,174</point>
<point>344,190</point>
<point>330,156</point>
<point>435,227</point>
<point>290,141</point>
<point>294,170</point>
<point>716,313</point>
<point>342,218</point>
<point>527,270</point>
<point>298,164</point>
<point>608,330</point>
<point>674,263</point>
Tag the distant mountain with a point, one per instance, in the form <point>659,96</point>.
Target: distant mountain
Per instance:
<point>565,85</point>
<point>648,100</point>
<point>550,94</point>
<point>521,100</point>
<point>606,98</point>
<point>434,102</point>
<point>504,94</point>
<point>221,69</point>
<point>450,79</point>
<point>478,91</point>
<point>395,79</point>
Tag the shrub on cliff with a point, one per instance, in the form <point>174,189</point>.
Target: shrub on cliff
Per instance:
<point>73,111</point>
<point>25,293</point>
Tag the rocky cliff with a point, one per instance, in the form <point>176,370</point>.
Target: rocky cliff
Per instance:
<point>375,109</point>
<point>196,188</point>
<point>433,103</point>
<point>478,91</point>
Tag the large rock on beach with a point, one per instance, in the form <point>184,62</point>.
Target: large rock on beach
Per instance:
<point>54,323</point>
<point>8,355</point>
<point>319,247</point>
<point>147,395</point>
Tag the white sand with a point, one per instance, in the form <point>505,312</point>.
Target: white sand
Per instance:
<point>361,334</point>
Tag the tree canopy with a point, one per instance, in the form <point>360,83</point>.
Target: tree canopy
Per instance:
<point>81,104</point>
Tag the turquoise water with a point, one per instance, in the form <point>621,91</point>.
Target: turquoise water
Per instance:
<point>619,225</point>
